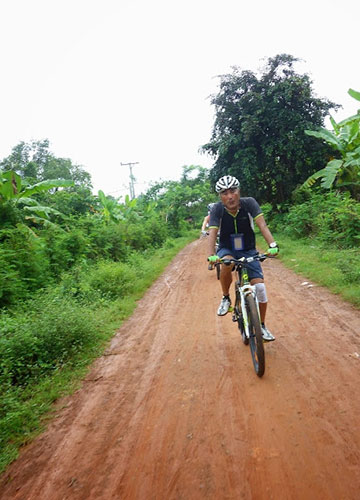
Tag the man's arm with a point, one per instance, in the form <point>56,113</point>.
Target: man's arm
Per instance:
<point>213,231</point>
<point>265,231</point>
<point>205,222</point>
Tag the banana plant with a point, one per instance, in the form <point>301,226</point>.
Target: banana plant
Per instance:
<point>112,209</point>
<point>14,191</point>
<point>109,207</point>
<point>345,138</point>
<point>128,207</point>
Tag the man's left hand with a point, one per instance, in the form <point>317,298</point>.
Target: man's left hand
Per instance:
<point>273,250</point>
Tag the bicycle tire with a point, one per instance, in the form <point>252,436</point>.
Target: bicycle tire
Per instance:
<point>256,340</point>
<point>239,319</point>
<point>218,268</point>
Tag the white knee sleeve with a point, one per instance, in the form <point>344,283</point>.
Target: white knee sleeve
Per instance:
<point>261,292</point>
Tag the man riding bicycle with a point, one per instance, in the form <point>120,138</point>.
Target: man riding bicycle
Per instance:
<point>234,217</point>
<point>205,224</point>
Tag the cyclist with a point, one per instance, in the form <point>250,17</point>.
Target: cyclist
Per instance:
<point>205,228</point>
<point>234,217</point>
<point>205,224</point>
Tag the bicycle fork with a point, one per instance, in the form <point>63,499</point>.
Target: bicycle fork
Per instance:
<point>243,292</point>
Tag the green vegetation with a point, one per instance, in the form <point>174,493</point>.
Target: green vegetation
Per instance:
<point>344,172</point>
<point>336,269</point>
<point>332,218</point>
<point>73,264</point>
<point>258,133</point>
<point>48,342</point>
<point>266,132</point>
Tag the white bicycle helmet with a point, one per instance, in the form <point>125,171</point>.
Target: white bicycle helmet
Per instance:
<point>226,182</point>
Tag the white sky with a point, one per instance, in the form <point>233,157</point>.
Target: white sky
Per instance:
<point>118,81</point>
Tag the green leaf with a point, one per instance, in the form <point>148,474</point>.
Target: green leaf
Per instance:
<point>28,201</point>
<point>349,120</point>
<point>41,220</point>
<point>330,172</point>
<point>10,185</point>
<point>313,178</point>
<point>45,186</point>
<point>102,197</point>
<point>327,136</point>
<point>335,125</point>
<point>354,94</point>
<point>42,211</point>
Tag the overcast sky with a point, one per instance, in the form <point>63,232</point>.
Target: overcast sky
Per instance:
<point>118,81</point>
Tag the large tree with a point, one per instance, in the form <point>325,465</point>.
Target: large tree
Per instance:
<point>258,133</point>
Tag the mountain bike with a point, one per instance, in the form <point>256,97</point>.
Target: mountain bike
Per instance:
<point>246,310</point>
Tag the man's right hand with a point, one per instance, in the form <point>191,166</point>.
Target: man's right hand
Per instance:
<point>213,258</point>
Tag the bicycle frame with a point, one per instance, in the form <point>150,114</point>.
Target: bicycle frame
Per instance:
<point>243,286</point>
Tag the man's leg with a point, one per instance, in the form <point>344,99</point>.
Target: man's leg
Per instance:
<point>226,276</point>
<point>262,305</point>
<point>267,335</point>
<point>225,282</point>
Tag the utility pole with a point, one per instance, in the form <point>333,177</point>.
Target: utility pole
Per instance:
<point>132,178</point>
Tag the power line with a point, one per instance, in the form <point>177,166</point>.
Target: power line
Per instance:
<point>132,178</point>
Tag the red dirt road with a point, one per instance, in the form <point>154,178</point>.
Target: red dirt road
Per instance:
<point>174,409</point>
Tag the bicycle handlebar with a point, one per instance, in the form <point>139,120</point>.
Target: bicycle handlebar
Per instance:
<point>245,260</point>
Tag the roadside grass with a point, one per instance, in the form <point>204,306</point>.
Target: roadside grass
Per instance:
<point>25,410</point>
<point>336,269</point>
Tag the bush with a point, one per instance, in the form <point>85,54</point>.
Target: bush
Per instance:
<point>112,280</point>
<point>24,263</point>
<point>42,340</point>
<point>106,241</point>
<point>64,248</point>
<point>350,266</point>
<point>12,287</point>
<point>95,282</point>
<point>332,218</point>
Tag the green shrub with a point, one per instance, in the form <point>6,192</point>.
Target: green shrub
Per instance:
<point>64,248</point>
<point>95,282</point>
<point>51,333</point>
<point>106,241</point>
<point>112,279</point>
<point>25,266</point>
<point>332,218</point>
<point>12,287</point>
<point>349,265</point>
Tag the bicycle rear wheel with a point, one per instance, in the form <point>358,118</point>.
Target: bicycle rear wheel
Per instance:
<point>256,340</point>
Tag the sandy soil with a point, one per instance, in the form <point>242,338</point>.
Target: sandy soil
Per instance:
<point>174,409</point>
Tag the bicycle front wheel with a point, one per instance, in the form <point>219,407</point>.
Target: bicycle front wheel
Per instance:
<point>256,340</point>
<point>240,319</point>
<point>217,271</point>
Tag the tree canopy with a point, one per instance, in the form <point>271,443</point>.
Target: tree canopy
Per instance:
<point>258,133</point>
<point>36,163</point>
